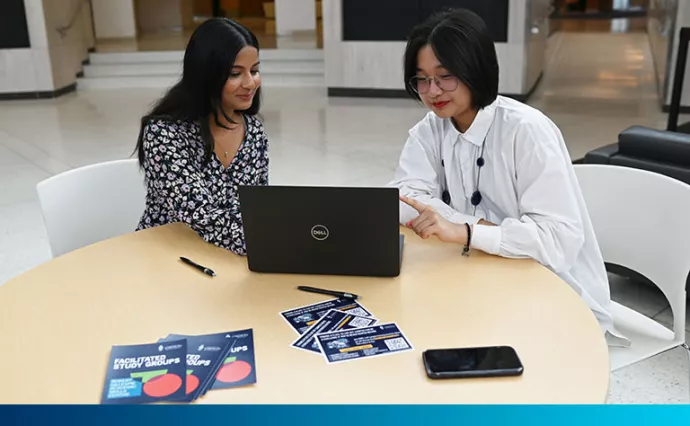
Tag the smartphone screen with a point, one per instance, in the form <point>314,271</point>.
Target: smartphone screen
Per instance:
<point>486,361</point>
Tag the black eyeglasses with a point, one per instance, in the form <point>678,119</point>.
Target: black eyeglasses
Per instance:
<point>446,83</point>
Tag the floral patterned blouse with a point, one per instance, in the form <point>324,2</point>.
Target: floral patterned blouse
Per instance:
<point>181,188</point>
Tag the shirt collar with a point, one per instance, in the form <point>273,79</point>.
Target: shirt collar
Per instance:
<point>479,128</point>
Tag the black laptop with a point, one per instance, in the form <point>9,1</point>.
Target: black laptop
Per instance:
<point>322,230</point>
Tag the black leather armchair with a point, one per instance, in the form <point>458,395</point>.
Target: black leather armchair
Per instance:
<point>659,151</point>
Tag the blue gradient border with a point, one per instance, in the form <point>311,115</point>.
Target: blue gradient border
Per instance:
<point>377,415</point>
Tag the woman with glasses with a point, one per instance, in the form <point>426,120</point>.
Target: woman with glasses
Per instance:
<point>486,172</point>
<point>203,139</point>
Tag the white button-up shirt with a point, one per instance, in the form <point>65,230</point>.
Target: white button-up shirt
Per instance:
<point>528,187</point>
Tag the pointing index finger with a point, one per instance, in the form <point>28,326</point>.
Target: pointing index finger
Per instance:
<point>420,207</point>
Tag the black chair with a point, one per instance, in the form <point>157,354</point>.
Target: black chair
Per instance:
<point>659,151</point>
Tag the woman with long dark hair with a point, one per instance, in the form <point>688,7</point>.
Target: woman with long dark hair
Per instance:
<point>203,139</point>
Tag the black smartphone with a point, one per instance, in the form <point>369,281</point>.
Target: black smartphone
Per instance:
<point>492,361</point>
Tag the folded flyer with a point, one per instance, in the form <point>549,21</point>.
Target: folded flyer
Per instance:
<point>334,320</point>
<point>236,367</point>
<point>146,373</point>
<point>204,355</point>
<point>300,319</point>
<point>347,345</point>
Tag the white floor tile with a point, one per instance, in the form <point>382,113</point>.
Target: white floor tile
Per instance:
<point>662,379</point>
<point>19,178</point>
<point>33,154</point>
<point>299,165</point>
<point>23,241</point>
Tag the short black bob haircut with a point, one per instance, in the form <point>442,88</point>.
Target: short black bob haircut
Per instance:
<point>207,64</point>
<point>464,46</point>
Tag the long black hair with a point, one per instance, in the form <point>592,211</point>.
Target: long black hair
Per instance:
<point>208,61</point>
<point>462,43</point>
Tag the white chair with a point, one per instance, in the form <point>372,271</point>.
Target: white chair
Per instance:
<point>91,203</point>
<point>642,222</point>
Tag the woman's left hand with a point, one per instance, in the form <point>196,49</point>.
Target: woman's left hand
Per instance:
<point>429,223</point>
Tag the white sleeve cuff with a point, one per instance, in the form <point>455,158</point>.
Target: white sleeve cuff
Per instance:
<point>486,238</point>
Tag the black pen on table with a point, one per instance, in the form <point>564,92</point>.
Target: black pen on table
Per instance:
<point>338,294</point>
<point>203,269</point>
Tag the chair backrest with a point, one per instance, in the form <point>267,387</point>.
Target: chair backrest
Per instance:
<point>91,203</point>
<point>642,222</point>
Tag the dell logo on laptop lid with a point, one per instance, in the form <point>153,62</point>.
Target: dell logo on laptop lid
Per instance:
<point>319,232</point>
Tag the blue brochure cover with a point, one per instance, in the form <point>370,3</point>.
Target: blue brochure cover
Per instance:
<point>237,366</point>
<point>300,319</point>
<point>146,373</point>
<point>204,355</point>
<point>346,345</point>
<point>334,320</point>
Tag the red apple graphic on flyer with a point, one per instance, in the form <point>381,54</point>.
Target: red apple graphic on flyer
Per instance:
<point>159,383</point>
<point>233,370</point>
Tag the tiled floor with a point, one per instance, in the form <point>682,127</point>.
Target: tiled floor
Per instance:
<point>619,25</point>
<point>663,379</point>
<point>593,88</point>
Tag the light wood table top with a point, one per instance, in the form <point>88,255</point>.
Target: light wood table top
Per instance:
<point>59,321</point>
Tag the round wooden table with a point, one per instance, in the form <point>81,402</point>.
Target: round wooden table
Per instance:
<point>59,321</point>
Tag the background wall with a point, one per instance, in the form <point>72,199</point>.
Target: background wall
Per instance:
<point>60,34</point>
<point>28,69</point>
<point>374,60</point>
<point>295,15</point>
<point>15,32</point>
<point>69,33</point>
<point>153,16</point>
<point>661,25</point>
<point>114,18</point>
